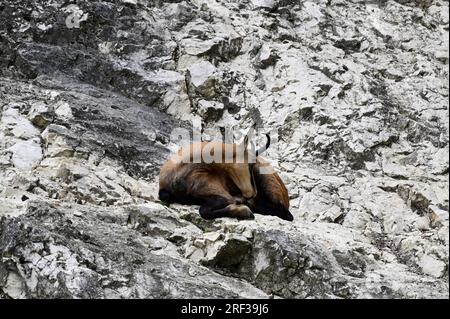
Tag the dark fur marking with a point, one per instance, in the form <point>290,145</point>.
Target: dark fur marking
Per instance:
<point>213,203</point>
<point>169,198</point>
<point>267,202</point>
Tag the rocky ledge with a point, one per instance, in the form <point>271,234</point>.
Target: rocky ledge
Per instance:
<point>357,91</point>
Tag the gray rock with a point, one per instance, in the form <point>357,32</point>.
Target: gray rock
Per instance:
<point>432,266</point>
<point>266,57</point>
<point>202,78</point>
<point>99,254</point>
<point>26,154</point>
<point>264,4</point>
<point>210,111</point>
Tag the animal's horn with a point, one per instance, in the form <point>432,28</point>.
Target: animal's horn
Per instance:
<point>249,135</point>
<point>265,147</point>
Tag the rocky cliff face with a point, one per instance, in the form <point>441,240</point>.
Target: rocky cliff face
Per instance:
<point>356,90</point>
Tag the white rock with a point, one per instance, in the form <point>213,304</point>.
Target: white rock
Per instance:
<point>440,160</point>
<point>356,219</point>
<point>202,76</point>
<point>63,110</point>
<point>14,287</point>
<point>212,236</point>
<point>422,223</point>
<point>26,154</point>
<point>56,144</point>
<point>199,242</point>
<point>17,124</point>
<point>268,4</point>
<point>166,77</point>
<point>432,266</point>
<point>178,104</point>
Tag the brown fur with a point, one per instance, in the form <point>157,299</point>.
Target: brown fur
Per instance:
<point>223,189</point>
<point>272,197</point>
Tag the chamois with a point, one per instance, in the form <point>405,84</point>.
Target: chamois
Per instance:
<point>222,187</point>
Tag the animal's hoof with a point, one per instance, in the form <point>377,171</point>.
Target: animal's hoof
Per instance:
<point>244,213</point>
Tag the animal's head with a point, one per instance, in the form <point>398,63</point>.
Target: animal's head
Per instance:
<point>273,197</point>
<point>241,168</point>
<point>250,154</point>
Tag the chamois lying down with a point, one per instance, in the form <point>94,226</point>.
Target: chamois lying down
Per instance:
<point>237,188</point>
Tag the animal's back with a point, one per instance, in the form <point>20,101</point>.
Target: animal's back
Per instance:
<point>185,182</point>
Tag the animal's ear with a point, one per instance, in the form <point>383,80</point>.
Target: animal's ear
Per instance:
<point>248,137</point>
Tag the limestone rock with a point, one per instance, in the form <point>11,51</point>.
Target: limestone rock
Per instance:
<point>209,110</point>
<point>266,57</point>
<point>432,266</point>
<point>202,78</point>
<point>26,154</point>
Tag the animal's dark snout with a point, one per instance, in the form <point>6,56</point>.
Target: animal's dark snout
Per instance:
<point>164,196</point>
<point>289,217</point>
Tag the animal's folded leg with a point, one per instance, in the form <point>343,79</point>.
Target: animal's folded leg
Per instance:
<point>236,211</point>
